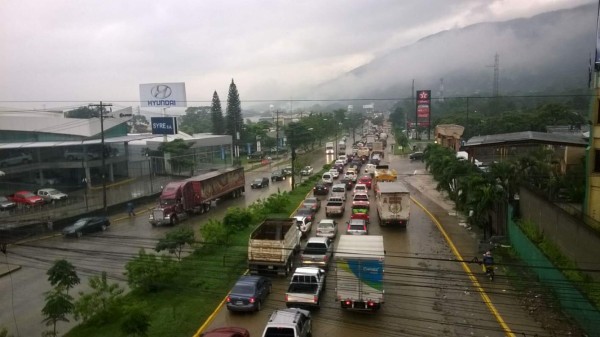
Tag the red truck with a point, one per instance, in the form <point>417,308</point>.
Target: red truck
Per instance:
<point>26,198</point>
<point>180,199</point>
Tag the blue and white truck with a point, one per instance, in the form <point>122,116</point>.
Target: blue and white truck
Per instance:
<point>359,262</point>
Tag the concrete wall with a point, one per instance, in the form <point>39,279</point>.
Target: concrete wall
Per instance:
<point>574,238</point>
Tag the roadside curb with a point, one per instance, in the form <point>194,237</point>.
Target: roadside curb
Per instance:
<point>8,269</point>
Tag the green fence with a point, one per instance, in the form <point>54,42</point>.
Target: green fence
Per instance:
<point>571,299</point>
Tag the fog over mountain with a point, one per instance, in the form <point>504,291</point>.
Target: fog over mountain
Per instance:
<point>546,53</point>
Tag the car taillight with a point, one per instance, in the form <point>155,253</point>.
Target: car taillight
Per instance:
<point>370,303</point>
<point>315,299</point>
<point>251,300</point>
<point>286,297</point>
<point>348,302</point>
<point>228,299</point>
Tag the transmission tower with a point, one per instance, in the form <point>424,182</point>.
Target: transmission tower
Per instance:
<point>496,84</point>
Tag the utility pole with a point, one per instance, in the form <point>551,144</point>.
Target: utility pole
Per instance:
<point>103,154</point>
<point>277,134</point>
<point>414,104</point>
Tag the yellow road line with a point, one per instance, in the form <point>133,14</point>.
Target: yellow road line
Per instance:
<point>469,272</point>
<point>218,308</point>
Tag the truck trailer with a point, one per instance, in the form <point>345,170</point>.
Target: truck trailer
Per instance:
<point>180,199</point>
<point>393,203</point>
<point>273,245</point>
<point>359,261</point>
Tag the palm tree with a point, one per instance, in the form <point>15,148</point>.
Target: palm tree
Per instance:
<point>483,202</point>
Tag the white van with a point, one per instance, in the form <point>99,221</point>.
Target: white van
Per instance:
<point>327,178</point>
<point>329,148</point>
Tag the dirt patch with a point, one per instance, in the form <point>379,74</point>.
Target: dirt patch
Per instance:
<point>537,300</point>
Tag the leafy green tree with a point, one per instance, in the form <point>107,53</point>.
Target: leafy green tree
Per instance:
<point>237,219</point>
<point>216,115</point>
<point>57,306</point>
<point>234,119</point>
<point>150,273</point>
<point>62,275</point>
<point>136,322</point>
<point>175,240</point>
<point>4,332</point>
<point>83,112</point>
<point>101,303</point>
<point>214,232</point>
<point>181,158</point>
<point>196,120</point>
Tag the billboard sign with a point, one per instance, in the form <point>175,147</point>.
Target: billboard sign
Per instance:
<point>164,125</point>
<point>423,103</point>
<point>163,95</point>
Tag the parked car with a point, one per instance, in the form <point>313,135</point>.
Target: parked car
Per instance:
<point>416,156</point>
<point>292,322</point>
<point>306,171</point>
<point>260,183</point>
<point>26,198</point>
<point>277,175</point>
<point>227,332</point>
<point>320,189</point>
<point>87,225</point>
<point>7,205</point>
<point>249,293</point>
<point>51,195</point>
<point>357,227</point>
<point>71,154</point>
<point>16,159</point>
<point>305,212</point>
<point>312,203</point>
<point>327,228</point>
<point>366,179</point>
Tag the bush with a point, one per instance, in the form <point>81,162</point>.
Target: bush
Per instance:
<point>237,219</point>
<point>101,303</point>
<point>214,232</point>
<point>148,272</point>
<point>136,322</point>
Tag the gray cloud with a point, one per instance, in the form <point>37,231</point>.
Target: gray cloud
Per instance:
<point>101,50</point>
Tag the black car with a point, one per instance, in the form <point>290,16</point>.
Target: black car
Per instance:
<point>320,189</point>
<point>260,183</point>
<point>348,182</point>
<point>87,225</point>
<point>249,293</point>
<point>416,156</point>
<point>277,176</point>
<point>6,205</point>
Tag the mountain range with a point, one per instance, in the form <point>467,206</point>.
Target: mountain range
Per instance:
<point>547,53</point>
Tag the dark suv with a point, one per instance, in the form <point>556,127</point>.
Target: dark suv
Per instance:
<point>260,182</point>
<point>277,175</point>
<point>416,156</point>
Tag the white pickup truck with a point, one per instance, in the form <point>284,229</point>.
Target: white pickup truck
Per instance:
<point>305,288</point>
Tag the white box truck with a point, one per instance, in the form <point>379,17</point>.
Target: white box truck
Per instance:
<point>359,267</point>
<point>393,203</point>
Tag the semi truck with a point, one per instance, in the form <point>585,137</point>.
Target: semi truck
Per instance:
<point>180,199</point>
<point>359,266</point>
<point>273,246</point>
<point>393,203</point>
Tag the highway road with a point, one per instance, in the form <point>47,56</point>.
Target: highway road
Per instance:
<point>427,292</point>
<point>21,292</point>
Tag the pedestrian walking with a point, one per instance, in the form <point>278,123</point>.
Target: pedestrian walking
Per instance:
<point>130,209</point>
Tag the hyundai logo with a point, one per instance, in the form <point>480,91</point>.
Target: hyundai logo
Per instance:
<point>161,91</point>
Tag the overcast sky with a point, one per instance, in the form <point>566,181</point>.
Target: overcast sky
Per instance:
<point>56,53</point>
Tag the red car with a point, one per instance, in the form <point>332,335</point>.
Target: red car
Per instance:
<point>227,332</point>
<point>367,180</point>
<point>26,198</point>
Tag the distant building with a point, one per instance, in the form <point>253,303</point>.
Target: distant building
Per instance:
<point>449,135</point>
